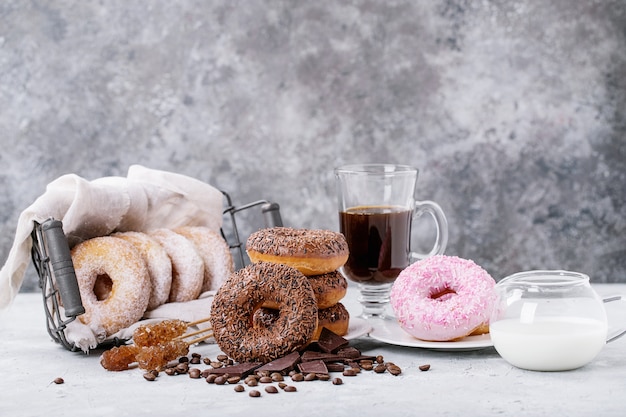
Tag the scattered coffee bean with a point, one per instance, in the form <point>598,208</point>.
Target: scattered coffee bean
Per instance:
<point>380,359</point>
<point>271,389</point>
<point>349,372</point>
<point>265,380</point>
<point>206,361</point>
<point>424,367</point>
<point>282,385</point>
<point>255,393</point>
<point>194,361</point>
<point>211,378</point>
<point>277,376</point>
<point>290,388</point>
<point>170,371</point>
<point>310,377</point>
<point>337,381</point>
<point>194,373</point>
<point>323,377</point>
<point>380,368</point>
<point>222,358</point>
<point>239,388</point>
<point>183,359</point>
<point>297,377</point>
<point>155,372</point>
<point>394,370</point>
<point>233,379</point>
<point>221,380</point>
<point>149,376</point>
<point>58,380</point>
<point>217,364</point>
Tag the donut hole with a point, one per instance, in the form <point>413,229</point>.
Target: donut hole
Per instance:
<point>442,294</point>
<point>103,287</point>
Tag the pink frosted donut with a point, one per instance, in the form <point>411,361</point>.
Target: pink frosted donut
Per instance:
<point>214,251</point>
<point>158,263</point>
<point>187,265</point>
<point>443,298</point>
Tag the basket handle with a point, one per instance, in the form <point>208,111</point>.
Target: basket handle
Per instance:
<point>62,267</point>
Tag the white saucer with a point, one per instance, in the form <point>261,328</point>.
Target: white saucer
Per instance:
<point>389,331</point>
<point>358,327</point>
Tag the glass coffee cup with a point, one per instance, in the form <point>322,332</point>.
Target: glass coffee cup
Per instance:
<point>377,207</point>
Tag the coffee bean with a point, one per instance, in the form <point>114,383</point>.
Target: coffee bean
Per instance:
<point>149,376</point>
<point>170,371</point>
<point>380,368</point>
<point>233,379</point>
<point>271,389</point>
<point>155,372</point>
<point>297,377</point>
<point>265,380</point>
<point>194,373</point>
<point>349,372</point>
<point>277,376</point>
<point>58,380</point>
<point>221,380</point>
<point>337,381</point>
<point>424,367</point>
<point>380,359</point>
<point>183,359</point>
<point>211,378</point>
<point>323,377</point>
<point>222,358</point>
<point>394,370</point>
<point>254,393</point>
<point>194,361</point>
<point>239,388</point>
<point>290,388</point>
<point>310,377</point>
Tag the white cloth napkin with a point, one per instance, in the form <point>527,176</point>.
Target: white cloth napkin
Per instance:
<point>143,200</point>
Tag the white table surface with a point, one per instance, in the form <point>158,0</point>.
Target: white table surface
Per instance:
<point>471,383</point>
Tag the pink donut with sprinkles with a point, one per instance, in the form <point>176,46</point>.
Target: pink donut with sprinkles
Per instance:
<point>443,298</point>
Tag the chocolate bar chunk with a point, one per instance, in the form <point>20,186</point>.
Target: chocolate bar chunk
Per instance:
<point>308,356</point>
<point>313,367</point>
<point>330,342</point>
<point>241,369</point>
<point>283,364</point>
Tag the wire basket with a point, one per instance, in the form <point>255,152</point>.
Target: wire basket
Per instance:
<point>57,279</point>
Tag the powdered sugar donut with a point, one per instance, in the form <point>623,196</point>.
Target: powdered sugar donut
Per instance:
<point>187,265</point>
<point>113,282</point>
<point>443,298</point>
<point>158,263</point>
<point>214,251</point>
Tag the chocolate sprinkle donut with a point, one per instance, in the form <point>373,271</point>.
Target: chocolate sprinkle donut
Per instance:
<point>243,293</point>
<point>311,251</point>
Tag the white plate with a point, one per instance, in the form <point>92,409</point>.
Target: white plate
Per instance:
<point>357,327</point>
<point>389,331</point>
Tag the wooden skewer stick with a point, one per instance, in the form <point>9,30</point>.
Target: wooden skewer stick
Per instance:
<point>193,323</point>
<point>186,335</point>
<point>200,339</point>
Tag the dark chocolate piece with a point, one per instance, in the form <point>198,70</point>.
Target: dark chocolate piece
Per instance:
<point>335,367</point>
<point>330,342</point>
<point>241,369</point>
<point>349,352</point>
<point>284,364</point>
<point>313,367</point>
<point>308,356</point>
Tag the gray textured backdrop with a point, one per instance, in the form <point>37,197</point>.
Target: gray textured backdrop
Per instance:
<point>514,111</point>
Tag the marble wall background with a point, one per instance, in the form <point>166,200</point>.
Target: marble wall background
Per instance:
<point>514,111</point>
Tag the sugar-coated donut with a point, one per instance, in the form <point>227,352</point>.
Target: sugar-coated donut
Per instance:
<point>113,281</point>
<point>187,265</point>
<point>443,298</point>
<point>335,318</point>
<point>158,263</point>
<point>311,251</point>
<point>241,295</point>
<point>215,252</point>
<point>328,288</point>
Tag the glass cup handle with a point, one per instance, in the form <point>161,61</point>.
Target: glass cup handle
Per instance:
<point>441,223</point>
<point>618,333</point>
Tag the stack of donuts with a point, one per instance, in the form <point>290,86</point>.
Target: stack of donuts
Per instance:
<point>317,254</point>
<point>125,274</point>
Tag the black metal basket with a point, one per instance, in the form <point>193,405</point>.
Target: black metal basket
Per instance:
<point>57,279</point>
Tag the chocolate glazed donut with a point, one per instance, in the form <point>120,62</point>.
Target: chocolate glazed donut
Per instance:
<point>244,292</point>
